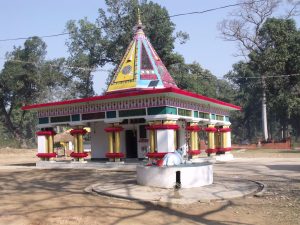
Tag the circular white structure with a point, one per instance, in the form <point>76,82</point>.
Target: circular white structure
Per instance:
<point>187,175</point>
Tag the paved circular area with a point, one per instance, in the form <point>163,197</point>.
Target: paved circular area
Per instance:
<point>221,189</point>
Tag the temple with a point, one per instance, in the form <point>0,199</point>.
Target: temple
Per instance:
<point>143,114</point>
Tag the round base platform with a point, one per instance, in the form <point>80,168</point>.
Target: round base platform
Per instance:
<point>186,175</point>
<point>221,189</point>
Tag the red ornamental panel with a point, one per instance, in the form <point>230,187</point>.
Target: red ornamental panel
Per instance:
<point>113,129</point>
<point>46,155</point>
<point>45,133</point>
<point>224,149</point>
<point>211,150</point>
<point>114,155</point>
<point>193,128</point>
<point>79,154</point>
<point>78,131</point>
<point>156,155</point>
<point>163,127</point>
<point>194,152</point>
<point>224,130</point>
<point>211,129</point>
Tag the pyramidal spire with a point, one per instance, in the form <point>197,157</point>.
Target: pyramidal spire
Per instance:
<point>141,67</point>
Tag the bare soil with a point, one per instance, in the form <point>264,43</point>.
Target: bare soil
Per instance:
<point>41,197</point>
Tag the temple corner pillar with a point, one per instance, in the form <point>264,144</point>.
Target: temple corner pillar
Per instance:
<point>114,153</point>
<point>78,154</point>
<point>211,148</point>
<point>45,144</point>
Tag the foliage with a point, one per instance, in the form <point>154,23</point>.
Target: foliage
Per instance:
<point>279,58</point>
<point>24,79</point>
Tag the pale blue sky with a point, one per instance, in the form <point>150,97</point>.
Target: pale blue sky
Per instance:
<point>19,18</point>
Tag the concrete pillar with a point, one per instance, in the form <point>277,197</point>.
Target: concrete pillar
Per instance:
<point>211,148</point>
<point>162,138</point>
<point>193,129</point>
<point>45,144</point>
<point>114,154</point>
<point>226,139</point>
<point>78,154</point>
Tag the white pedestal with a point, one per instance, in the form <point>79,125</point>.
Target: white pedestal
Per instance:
<point>191,175</point>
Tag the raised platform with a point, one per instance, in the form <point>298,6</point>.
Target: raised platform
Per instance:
<point>221,189</point>
<point>186,175</point>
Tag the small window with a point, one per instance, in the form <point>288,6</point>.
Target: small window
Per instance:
<point>143,132</point>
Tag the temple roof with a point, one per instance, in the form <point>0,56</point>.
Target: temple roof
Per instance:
<point>141,67</point>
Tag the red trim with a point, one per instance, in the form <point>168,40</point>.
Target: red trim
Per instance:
<point>224,149</point>
<point>211,129</point>
<point>79,154</point>
<point>224,130</point>
<point>194,152</point>
<point>163,127</point>
<point>114,155</point>
<point>78,131</point>
<point>211,150</point>
<point>46,155</point>
<point>193,128</point>
<point>158,155</point>
<point>113,129</point>
<point>45,133</point>
<point>132,93</point>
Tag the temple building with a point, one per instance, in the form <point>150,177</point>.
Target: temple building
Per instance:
<point>142,114</point>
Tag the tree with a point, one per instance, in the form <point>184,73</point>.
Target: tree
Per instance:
<point>244,29</point>
<point>280,59</point>
<point>23,80</point>
<point>105,41</point>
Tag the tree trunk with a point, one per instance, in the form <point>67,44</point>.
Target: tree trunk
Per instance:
<point>264,109</point>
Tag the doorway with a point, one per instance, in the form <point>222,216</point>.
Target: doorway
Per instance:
<point>131,144</point>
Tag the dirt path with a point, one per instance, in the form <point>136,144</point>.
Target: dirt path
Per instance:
<point>40,197</point>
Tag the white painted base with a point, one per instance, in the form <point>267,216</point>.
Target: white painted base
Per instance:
<point>191,175</point>
<point>203,160</point>
<point>115,163</point>
<point>224,157</point>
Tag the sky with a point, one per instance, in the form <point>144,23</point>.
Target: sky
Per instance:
<point>19,18</point>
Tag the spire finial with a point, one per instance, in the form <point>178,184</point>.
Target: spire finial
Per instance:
<point>138,28</point>
<point>139,23</point>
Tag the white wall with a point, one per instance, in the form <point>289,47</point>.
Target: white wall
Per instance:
<point>165,141</point>
<point>41,144</point>
<point>99,140</point>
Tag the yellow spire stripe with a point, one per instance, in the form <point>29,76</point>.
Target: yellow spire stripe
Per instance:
<point>127,68</point>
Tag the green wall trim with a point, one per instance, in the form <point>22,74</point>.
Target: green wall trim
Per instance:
<point>196,114</point>
<point>43,120</point>
<point>184,112</point>
<point>75,117</point>
<point>59,119</point>
<point>162,110</point>
<point>133,112</point>
<point>111,114</point>
<point>93,116</point>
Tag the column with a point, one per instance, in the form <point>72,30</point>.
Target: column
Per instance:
<point>114,154</point>
<point>78,154</point>
<point>162,138</point>
<point>218,141</point>
<point>226,139</point>
<point>45,144</point>
<point>211,148</point>
<point>193,129</point>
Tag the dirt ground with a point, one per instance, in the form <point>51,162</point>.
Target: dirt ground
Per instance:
<point>40,197</point>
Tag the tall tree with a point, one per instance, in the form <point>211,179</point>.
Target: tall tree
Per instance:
<point>280,59</point>
<point>25,77</point>
<point>244,28</point>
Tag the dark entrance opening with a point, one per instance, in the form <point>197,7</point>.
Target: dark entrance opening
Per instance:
<point>178,180</point>
<point>131,144</point>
